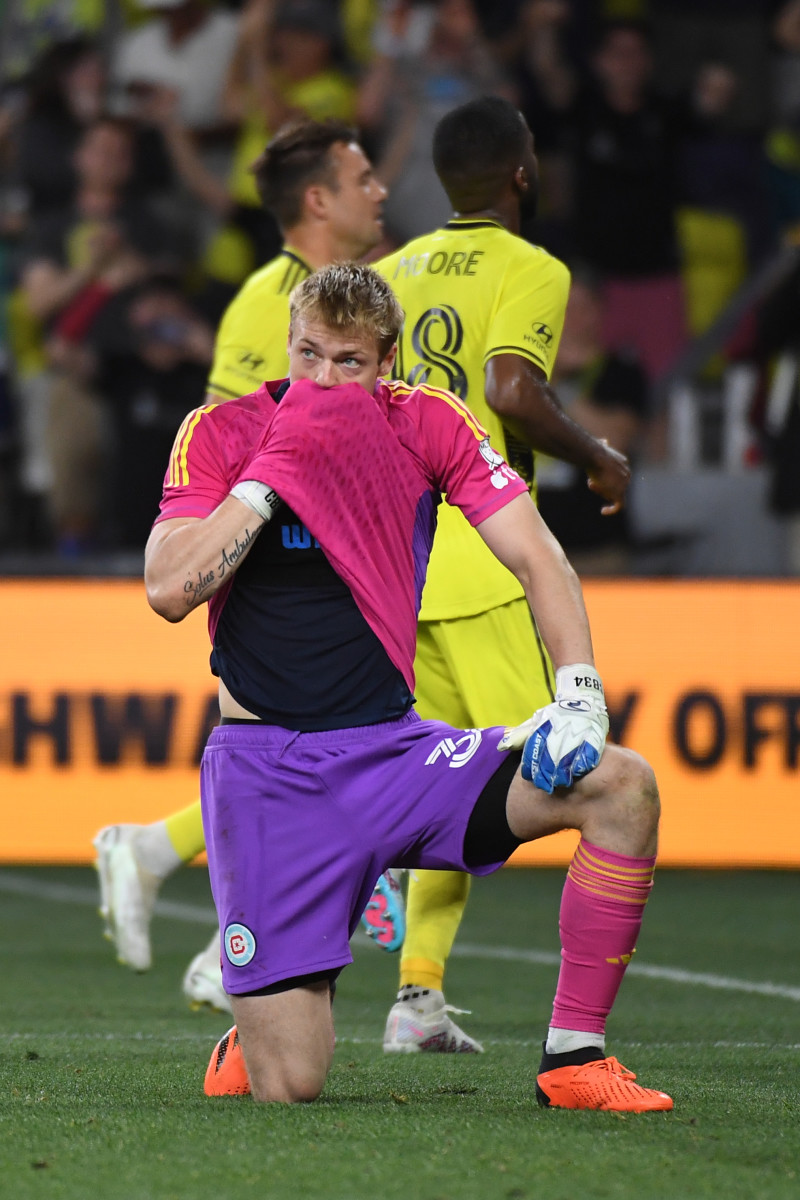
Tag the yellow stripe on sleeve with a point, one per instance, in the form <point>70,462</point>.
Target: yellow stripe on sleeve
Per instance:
<point>450,398</point>
<point>178,470</point>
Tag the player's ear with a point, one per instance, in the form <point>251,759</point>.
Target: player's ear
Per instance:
<point>385,366</point>
<point>522,181</point>
<point>315,201</point>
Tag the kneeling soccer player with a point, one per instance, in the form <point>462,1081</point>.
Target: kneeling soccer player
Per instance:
<point>304,514</point>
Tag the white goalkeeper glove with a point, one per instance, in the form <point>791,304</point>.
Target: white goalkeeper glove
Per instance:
<point>565,739</point>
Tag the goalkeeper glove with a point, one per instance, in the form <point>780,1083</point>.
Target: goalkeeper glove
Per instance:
<point>565,739</point>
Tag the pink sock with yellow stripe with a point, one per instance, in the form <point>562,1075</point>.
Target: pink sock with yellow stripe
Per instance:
<point>601,913</point>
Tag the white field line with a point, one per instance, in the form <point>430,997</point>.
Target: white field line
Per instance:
<point>670,974</point>
<point>65,893</point>
<point>168,1039</point>
<point>195,914</point>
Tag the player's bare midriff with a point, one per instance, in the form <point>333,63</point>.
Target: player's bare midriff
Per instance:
<point>228,707</point>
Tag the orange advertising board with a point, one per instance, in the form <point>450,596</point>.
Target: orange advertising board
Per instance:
<point>104,710</point>
<point>703,678</point>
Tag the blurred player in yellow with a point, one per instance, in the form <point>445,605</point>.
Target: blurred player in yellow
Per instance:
<point>316,179</point>
<point>484,314</point>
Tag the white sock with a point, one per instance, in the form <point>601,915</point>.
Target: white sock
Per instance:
<point>562,1041</point>
<point>155,852</point>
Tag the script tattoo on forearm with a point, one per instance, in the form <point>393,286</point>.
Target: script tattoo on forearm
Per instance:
<point>196,588</point>
<point>231,557</point>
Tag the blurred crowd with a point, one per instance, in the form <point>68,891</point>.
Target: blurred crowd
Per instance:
<point>668,138</point>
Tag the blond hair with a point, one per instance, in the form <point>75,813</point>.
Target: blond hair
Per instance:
<point>349,298</point>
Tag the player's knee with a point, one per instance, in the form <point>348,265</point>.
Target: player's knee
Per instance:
<point>288,1084</point>
<point>634,788</point>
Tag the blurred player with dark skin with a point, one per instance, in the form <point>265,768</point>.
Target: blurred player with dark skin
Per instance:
<point>319,184</point>
<point>484,311</point>
<point>321,774</point>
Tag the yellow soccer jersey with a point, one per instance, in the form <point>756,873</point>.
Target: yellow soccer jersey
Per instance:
<point>470,291</point>
<point>252,336</point>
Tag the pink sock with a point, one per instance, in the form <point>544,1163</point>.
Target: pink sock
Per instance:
<point>601,913</point>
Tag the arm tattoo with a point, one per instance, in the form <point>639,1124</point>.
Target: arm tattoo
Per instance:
<point>194,588</point>
<point>230,558</point>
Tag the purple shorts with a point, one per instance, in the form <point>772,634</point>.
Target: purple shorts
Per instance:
<point>299,826</point>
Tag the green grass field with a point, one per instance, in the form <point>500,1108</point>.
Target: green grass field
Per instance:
<point>101,1071</point>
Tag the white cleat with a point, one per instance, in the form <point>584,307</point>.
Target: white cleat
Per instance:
<point>202,983</point>
<point>422,1024</point>
<point>127,895</point>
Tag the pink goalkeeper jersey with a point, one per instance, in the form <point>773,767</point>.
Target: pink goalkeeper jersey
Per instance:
<point>364,473</point>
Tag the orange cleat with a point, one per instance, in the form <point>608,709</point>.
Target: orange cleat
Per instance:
<point>601,1084</point>
<point>227,1074</point>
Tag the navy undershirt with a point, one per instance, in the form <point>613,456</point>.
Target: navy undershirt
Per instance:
<point>291,644</point>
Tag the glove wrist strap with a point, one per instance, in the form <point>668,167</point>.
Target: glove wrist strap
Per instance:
<point>579,678</point>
